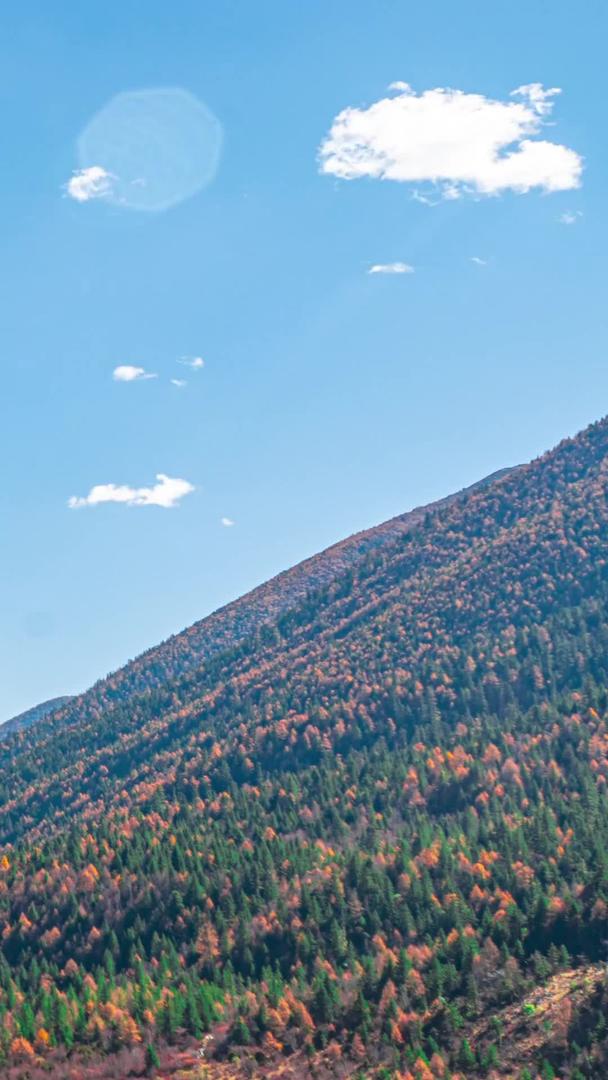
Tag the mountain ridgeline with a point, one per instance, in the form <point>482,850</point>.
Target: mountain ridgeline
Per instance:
<point>354,824</point>
<point>32,716</point>
<point>265,605</point>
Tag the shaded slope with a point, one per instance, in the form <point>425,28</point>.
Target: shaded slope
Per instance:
<point>32,716</point>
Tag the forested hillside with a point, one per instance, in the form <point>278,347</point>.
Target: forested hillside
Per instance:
<point>357,825</point>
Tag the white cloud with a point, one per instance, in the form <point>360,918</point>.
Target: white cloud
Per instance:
<point>460,143</point>
<point>570,217</point>
<point>424,199</point>
<point>391,268</point>
<point>166,493</point>
<point>478,262</point>
<point>537,96</point>
<point>130,373</point>
<point>92,183</point>
<point>180,383</point>
<point>227,522</point>
<point>195,362</point>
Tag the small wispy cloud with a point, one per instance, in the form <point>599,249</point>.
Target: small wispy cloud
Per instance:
<point>92,183</point>
<point>391,268</point>
<point>570,217</point>
<point>420,197</point>
<point>227,522</point>
<point>166,492</point>
<point>195,362</point>
<point>130,373</point>
<point>478,261</point>
<point>180,383</point>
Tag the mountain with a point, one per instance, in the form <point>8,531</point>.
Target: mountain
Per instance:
<point>31,716</point>
<point>228,626</point>
<point>355,824</point>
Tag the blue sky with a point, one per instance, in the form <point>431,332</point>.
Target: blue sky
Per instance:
<point>331,398</point>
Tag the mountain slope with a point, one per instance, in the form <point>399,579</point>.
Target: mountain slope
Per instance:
<point>228,626</point>
<point>31,716</point>
<point>356,815</point>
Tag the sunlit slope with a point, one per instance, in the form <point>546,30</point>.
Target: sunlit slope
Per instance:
<point>362,806</point>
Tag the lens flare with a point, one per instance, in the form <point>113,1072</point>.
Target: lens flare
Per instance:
<point>158,146</point>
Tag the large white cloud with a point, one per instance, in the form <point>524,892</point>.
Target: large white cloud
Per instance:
<point>460,142</point>
<point>92,183</point>
<point>166,493</point>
